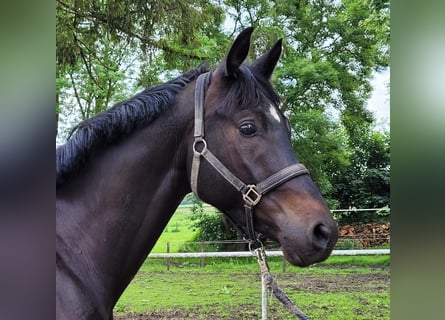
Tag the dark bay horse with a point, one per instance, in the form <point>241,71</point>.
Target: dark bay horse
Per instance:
<point>123,173</point>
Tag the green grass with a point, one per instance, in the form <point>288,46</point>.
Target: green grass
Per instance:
<point>231,289</point>
<point>359,260</point>
<point>342,287</point>
<point>341,264</point>
<point>178,230</point>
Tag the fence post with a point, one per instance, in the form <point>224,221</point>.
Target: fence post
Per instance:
<point>168,259</point>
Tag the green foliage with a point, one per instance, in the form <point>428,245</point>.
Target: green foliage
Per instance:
<point>107,49</point>
<point>331,49</point>
<point>353,216</point>
<point>80,24</point>
<point>210,226</point>
<point>197,205</point>
<point>366,183</point>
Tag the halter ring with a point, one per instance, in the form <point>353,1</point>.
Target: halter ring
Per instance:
<point>251,196</point>
<point>195,144</point>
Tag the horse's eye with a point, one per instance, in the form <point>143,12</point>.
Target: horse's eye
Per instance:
<point>247,129</point>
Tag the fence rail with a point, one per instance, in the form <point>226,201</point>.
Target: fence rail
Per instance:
<point>271,253</point>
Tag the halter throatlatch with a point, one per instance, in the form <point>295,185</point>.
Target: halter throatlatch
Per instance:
<point>251,193</point>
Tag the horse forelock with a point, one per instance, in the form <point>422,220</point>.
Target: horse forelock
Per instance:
<point>117,122</point>
<point>250,89</point>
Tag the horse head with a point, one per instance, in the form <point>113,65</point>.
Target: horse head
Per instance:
<point>244,129</point>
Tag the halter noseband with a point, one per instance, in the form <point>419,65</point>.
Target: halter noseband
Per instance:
<point>251,193</point>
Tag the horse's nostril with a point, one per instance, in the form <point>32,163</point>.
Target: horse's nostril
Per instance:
<point>321,235</point>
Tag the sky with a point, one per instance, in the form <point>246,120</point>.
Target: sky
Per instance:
<point>379,102</point>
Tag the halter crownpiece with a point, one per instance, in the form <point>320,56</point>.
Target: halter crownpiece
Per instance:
<point>251,193</point>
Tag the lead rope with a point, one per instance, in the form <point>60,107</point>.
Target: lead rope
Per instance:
<point>268,283</point>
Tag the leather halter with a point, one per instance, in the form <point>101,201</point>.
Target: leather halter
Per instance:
<point>251,193</point>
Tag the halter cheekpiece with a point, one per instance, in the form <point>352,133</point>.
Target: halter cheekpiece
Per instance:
<point>251,193</point>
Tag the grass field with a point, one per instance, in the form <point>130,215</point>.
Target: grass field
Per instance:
<point>351,287</point>
<point>231,289</point>
<point>178,230</point>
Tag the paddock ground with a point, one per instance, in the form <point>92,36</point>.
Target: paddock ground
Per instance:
<point>341,292</point>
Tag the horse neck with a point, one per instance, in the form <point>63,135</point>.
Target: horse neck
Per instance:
<point>114,211</point>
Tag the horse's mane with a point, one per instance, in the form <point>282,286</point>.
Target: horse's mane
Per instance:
<point>122,119</point>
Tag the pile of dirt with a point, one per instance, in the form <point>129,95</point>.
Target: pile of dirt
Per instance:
<point>367,234</point>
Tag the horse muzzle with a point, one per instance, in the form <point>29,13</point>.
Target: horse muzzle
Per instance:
<point>301,223</point>
<point>303,248</point>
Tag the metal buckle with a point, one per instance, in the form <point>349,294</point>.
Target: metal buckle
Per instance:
<point>197,141</point>
<point>251,196</point>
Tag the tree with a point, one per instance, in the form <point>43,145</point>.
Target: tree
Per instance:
<point>105,49</point>
<point>98,41</point>
<point>331,49</point>
<point>366,182</point>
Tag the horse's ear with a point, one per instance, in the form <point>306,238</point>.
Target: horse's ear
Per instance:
<point>267,62</point>
<point>238,52</point>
